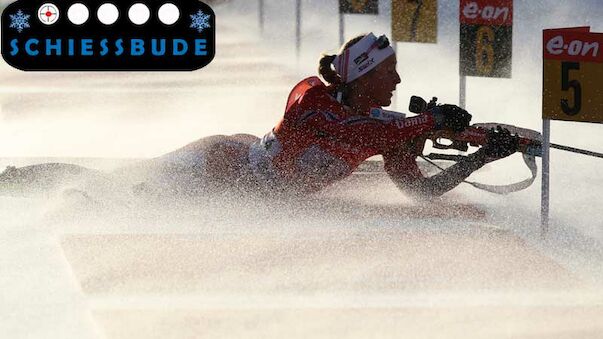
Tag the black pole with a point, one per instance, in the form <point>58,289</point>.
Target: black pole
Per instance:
<point>261,15</point>
<point>577,150</point>
<point>341,29</point>
<point>297,27</point>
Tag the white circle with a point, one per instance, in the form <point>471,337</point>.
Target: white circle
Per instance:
<point>107,13</point>
<point>169,13</point>
<point>139,13</point>
<point>78,13</point>
<point>48,14</point>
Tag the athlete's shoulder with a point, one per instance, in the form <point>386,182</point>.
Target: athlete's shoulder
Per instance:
<point>309,91</point>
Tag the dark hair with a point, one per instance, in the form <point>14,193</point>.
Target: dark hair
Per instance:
<point>328,73</point>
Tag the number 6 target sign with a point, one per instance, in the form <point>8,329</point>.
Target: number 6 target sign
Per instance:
<point>486,38</point>
<point>573,75</point>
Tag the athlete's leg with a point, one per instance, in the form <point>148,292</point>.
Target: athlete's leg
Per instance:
<point>43,178</point>
<point>210,163</point>
<point>227,161</point>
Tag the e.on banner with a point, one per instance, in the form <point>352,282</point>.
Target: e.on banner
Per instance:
<point>574,44</point>
<point>486,12</point>
<point>573,75</point>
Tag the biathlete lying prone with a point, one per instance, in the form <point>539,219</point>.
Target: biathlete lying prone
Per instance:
<point>330,126</point>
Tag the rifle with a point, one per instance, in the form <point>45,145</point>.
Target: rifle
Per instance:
<point>530,144</point>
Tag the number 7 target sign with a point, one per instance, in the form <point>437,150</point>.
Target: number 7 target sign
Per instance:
<point>415,21</point>
<point>486,38</point>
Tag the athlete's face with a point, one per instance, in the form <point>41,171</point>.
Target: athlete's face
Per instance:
<point>381,82</point>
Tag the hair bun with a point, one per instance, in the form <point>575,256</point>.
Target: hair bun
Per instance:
<point>326,70</point>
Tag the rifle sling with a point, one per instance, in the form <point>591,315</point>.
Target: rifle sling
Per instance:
<point>529,160</point>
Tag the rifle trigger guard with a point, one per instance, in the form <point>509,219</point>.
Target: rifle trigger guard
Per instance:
<point>438,145</point>
<point>456,145</point>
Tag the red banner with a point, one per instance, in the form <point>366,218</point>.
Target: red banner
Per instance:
<point>486,12</point>
<point>573,44</point>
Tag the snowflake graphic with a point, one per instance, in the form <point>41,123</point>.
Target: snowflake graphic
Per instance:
<point>19,21</point>
<point>200,21</point>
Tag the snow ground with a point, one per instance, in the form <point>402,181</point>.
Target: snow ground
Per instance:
<point>229,267</point>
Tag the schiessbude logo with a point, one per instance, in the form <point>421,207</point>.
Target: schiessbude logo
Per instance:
<point>108,35</point>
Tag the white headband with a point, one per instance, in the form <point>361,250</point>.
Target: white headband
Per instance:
<point>362,57</point>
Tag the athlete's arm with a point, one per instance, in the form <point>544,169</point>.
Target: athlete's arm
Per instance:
<point>401,165</point>
<point>316,112</point>
<point>366,131</point>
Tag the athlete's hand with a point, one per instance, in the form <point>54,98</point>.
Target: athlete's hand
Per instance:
<point>501,143</point>
<point>451,117</point>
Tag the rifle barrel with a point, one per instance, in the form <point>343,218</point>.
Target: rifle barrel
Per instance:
<point>577,150</point>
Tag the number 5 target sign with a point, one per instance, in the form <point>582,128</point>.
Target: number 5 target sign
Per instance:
<point>486,38</point>
<point>573,75</point>
<point>572,89</point>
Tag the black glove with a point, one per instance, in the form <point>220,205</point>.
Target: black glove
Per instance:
<point>501,143</point>
<point>451,117</point>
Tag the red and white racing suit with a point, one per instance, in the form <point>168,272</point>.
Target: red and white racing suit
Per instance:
<point>320,141</point>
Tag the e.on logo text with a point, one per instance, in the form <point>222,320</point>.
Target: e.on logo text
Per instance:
<point>558,46</point>
<point>472,11</point>
<point>575,44</point>
<point>487,12</point>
